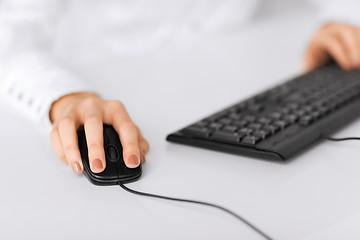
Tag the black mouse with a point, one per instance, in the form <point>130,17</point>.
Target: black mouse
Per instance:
<point>116,171</point>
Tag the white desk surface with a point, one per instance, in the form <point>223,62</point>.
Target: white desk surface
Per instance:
<point>314,196</point>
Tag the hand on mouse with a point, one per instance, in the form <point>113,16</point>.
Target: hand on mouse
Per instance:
<point>340,42</point>
<point>73,110</point>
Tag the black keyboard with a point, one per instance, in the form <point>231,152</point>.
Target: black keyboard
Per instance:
<point>278,123</point>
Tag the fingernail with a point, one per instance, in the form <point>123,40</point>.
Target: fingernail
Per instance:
<point>133,161</point>
<point>97,164</point>
<point>75,167</point>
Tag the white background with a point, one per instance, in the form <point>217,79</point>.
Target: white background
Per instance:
<point>314,196</point>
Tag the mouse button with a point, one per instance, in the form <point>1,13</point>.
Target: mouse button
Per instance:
<point>110,172</point>
<point>125,173</point>
<point>111,134</point>
<point>112,153</point>
<point>107,139</point>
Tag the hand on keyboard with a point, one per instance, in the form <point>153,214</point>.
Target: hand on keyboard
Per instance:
<point>340,42</point>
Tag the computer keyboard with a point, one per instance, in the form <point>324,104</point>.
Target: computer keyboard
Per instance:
<point>279,122</point>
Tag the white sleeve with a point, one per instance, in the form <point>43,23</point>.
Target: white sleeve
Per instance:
<point>341,11</point>
<point>30,77</point>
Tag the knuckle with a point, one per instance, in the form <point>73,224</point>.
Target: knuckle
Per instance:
<point>95,147</point>
<point>62,157</point>
<point>115,105</point>
<point>70,149</point>
<point>93,119</point>
<point>349,29</point>
<point>65,121</point>
<point>330,28</point>
<point>131,146</point>
<point>129,126</point>
<point>346,33</point>
<point>71,109</point>
<point>54,132</point>
<point>90,102</point>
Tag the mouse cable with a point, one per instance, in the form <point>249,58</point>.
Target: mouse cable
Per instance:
<point>201,203</point>
<point>341,139</point>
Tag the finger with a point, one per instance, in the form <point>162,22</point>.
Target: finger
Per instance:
<point>68,136</point>
<point>127,131</point>
<point>144,141</point>
<point>144,145</point>
<point>356,53</point>
<point>95,141</point>
<point>144,148</point>
<point>56,143</point>
<point>338,51</point>
<point>315,57</point>
<point>129,139</point>
<point>351,39</point>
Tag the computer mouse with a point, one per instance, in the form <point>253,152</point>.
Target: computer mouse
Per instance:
<point>115,171</point>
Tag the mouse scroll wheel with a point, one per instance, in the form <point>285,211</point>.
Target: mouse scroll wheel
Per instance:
<point>112,153</point>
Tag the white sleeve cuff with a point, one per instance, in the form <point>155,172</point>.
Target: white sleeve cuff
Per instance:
<point>31,88</point>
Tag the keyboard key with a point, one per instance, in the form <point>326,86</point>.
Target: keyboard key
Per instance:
<point>272,128</point>
<point>262,134</point>
<point>295,97</point>
<point>230,128</point>
<point>323,110</point>
<point>255,108</point>
<point>306,120</point>
<point>235,116</point>
<point>194,130</point>
<point>240,107</point>
<point>276,115</point>
<point>215,125</point>
<point>315,115</point>
<point>281,124</point>
<point>225,121</point>
<point>291,118</point>
<point>307,109</point>
<point>201,123</point>
<point>255,126</point>
<point>250,140</point>
<point>216,116</point>
<point>294,106</point>
<point>275,98</point>
<point>264,120</point>
<point>285,110</point>
<point>234,109</point>
<point>240,123</point>
<point>246,131</point>
<point>300,113</point>
<point>250,118</point>
<point>319,103</point>
<point>225,136</point>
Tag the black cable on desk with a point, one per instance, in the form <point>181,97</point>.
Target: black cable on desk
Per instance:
<point>341,139</point>
<point>201,203</point>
